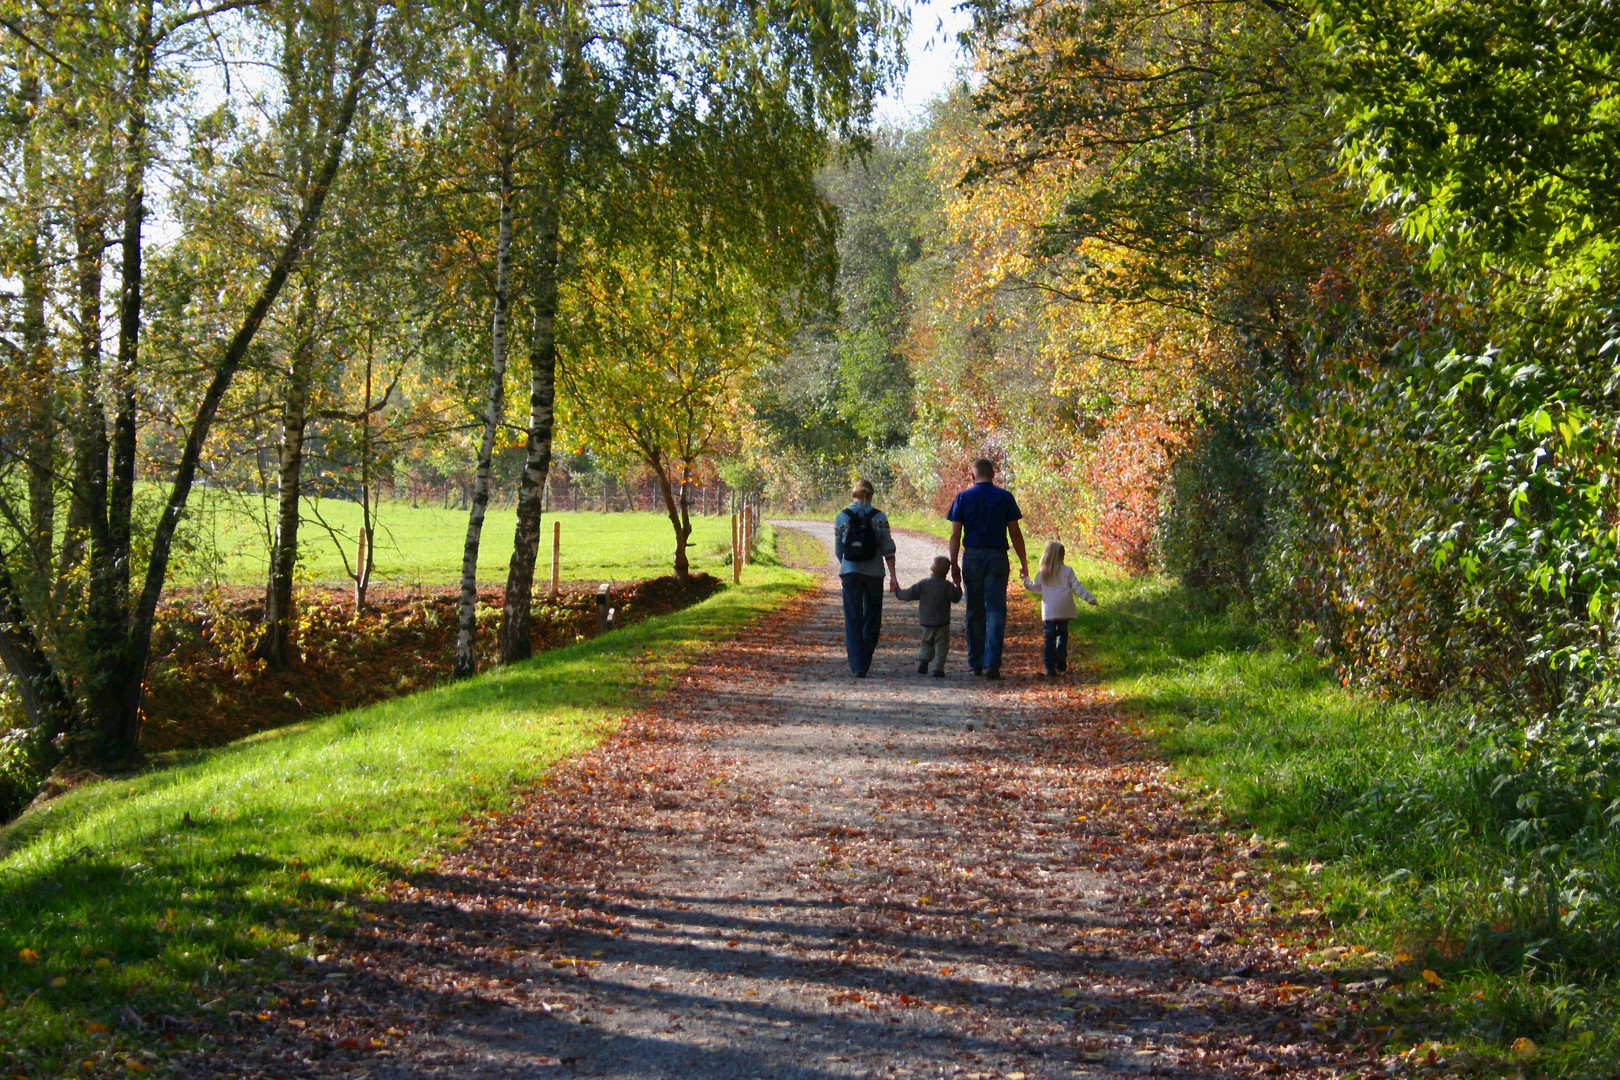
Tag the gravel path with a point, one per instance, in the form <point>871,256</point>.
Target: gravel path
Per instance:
<point>782,873</point>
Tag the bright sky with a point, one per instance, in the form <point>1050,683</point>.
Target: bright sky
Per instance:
<point>932,56</point>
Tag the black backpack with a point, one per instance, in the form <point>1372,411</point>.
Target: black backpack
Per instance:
<point>860,539</point>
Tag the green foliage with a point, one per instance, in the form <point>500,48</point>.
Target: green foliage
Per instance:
<point>1213,523</point>
<point>1491,128</point>
<point>21,771</point>
<point>198,882</point>
<point>841,400</point>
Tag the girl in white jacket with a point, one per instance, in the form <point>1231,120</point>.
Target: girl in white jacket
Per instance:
<point>1057,587</point>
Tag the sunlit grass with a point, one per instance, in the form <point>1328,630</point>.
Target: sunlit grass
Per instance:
<point>226,541</point>
<point>1391,800</point>
<point>166,891</point>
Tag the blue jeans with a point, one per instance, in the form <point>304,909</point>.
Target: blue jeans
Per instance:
<point>1057,645</point>
<point>863,618</point>
<point>984,584</point>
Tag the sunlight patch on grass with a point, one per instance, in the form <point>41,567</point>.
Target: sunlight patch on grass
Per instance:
<point>169,889</point>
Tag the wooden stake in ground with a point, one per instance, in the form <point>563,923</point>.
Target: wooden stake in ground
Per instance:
<point>736,552</point>
<point>556,558</point>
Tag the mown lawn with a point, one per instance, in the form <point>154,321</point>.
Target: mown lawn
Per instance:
<point>1389,811</point>
<point>167,891</point>
<point>226,541</point>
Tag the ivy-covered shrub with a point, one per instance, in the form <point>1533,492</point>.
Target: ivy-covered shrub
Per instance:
<point>20,773</point>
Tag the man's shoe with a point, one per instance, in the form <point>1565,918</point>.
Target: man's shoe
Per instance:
<point>978,672</point>
<point>922,668</point>
<point>860,674</point>
<point>992,673</point>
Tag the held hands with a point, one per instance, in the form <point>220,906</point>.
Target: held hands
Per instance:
<point>956,574</point>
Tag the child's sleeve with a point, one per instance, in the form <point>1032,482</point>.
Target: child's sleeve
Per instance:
<point>1080,590</point>
<point>909,593</point>
<point>1030,586</point>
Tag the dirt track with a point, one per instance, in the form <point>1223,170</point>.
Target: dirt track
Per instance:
<point>784,872</point>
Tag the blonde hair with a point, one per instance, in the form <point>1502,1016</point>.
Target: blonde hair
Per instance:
<point>1051,563</point>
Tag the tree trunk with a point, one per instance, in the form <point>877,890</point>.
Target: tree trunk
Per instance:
<point>45,702</point>
<point>275,644</point>
<point>115,674</point>
<point>87,501</point>
<point>366,557</point>
<point>515,643</point>
<point>494,409</point>
<point>675,506</point>
<point>41,425</point>
<point>123,720</point>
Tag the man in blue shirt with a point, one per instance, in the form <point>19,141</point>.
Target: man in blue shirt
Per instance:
<point>983,518</point>
<point>859,525</point>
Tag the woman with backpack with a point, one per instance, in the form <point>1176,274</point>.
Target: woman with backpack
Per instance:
<point>862,544</point>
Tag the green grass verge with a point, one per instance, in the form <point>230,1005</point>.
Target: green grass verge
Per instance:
<point>173,889</point>
<point>932,524</point>
<point>225,541</point>
<point>1387,809</point>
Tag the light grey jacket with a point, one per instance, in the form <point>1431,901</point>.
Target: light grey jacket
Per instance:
<point>872,567</point>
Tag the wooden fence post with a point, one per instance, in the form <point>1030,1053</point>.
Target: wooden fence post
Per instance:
<point>602,596</point>
<point>736,552</point>
<point>556,557</point>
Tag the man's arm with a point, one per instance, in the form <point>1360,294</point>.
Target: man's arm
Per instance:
<point>956,552</point>
<point>1017,536</point>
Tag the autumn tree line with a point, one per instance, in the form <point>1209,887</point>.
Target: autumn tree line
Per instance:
<point>1309,304</point>
<point>249,244</point>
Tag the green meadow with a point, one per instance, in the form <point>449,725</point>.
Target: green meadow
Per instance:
<point>226,541</point>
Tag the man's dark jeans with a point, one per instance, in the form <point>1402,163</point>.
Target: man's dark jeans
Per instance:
<point>984,585</point>
<point>1057,645</point>
<point>863,618</point>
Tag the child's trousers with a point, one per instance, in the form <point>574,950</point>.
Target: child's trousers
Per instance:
<point>936,641</point>
<point>1057,645</point>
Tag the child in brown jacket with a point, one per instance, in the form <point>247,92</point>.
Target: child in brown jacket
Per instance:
<point>935,595</point>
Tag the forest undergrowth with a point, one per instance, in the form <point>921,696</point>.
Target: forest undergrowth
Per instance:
<point>1417,835</point>
<point>131,910</point>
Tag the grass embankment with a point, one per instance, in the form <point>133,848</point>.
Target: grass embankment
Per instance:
<point>165,894</point>
<point>1389,812</point>
<point>421,545</point>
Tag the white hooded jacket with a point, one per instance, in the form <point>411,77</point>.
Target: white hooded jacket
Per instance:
<point>1057,601</point>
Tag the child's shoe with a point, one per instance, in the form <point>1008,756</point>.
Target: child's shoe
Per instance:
<point>939,674</point>
<point>922,667</point>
